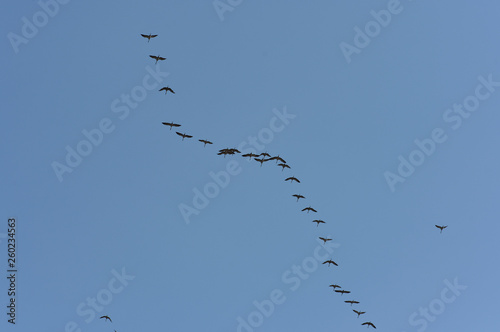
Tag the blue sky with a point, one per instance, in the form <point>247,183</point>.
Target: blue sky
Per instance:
<point>389,138</point>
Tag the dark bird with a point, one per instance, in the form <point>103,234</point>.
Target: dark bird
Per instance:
<point>148,36</point>
<point>368,324</point>
<point>342,292</point>
<point>441,228</point>
<point>278,158</point>
<point>250,155</point>
<point>261,160</point>
<point>317,221</point>
<point>291,179</point>
<point>157,57</point>
<point>265,154</point>
<point>106,318</point>
<point>225,152</point>
<point>205,142</point>
<point>183,135</point>
<point>283,166</point>
<point>309,209</point>
<point>324,240</point>
<point>171,124</point>
<point>167,89</point>
<point>352,302</point>
<point>334,286</point>
<point>298,196</point>
<point>330,262</point>
<point>359,312</point>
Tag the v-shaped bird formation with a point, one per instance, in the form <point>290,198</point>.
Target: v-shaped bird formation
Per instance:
<point>263,158</point>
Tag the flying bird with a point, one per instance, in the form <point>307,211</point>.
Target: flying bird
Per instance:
<point>157,57</point>
<point>334,286</point>
<point>359,312</point>
<point>309,209</point>
<point>330,262</point>
<point>283,166</point>
<point>291,179</point>
<point>265,154</point>
<point>106,318</point>
<point>441,228</point>
<point>324,240</point>
<point>317,221</point>
<point>148,36</point>
<point>298,196</point>
<point>278,158</point>
<point>183,135</point>
<point>261,160</point>
<point>342,292</point>
<point>167,89</point>
<point>171,124</point>
<point>250,155</point>
<point>368,324</point>
<point>352,302</point>
<point>205,142</point>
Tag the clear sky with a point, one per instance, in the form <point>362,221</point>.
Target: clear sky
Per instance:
<point>386,111</point>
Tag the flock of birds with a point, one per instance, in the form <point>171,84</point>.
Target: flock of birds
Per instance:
<point>262,158</point>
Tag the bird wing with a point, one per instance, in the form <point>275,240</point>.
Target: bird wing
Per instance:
<point>321,238</point>
<point>188,136</point>
<point>160,58</point>
<point>152,36</point>
<point>168,124</point>
<point>145,36</point>
<point>313,209</point>
<point>153,56</point>
<point>297,180</point>
<point>169,89</point>
<point>178,133</point>
<point>163,89</point>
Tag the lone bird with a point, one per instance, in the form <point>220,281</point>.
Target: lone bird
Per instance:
<point>352,302</point>
<point>250,155</point>
<point>298,196</point>
<point>368,324</point>
<point>441,228</point>
<point>291,179</point>
<point>334,286</point>
<point>309,209</point>
<point>183,135</point>
<point>167,89</point>
<point>330,262</point>
<point>157,57</point>
<point>324,240</point>
<point>106,318</point>
<point>342,291</point>
<point>171,124</point>
<point>317,221</point>
<point>148,36</point>
<point>283,166</point>
<point>205,142</point>
<point>359,312</point>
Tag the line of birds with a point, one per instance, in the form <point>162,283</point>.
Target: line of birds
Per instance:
<point>262,158</point>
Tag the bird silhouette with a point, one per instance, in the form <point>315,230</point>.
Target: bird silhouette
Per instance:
<point>250,155</point>
<point>205,142</point>
<point>334,286</point>
<point>441,228</point>
<point>278,158</point>
<point>261,160</point>
<point>167,89</point>
<point>283,166</point>
<point>291,179</point>
<point>171,124</point>
<point>324,240</point>
<point>317,221</point>
<point>342,292</point>
<point>183,135</point>
<point>330,262</point>
<point>368,324</point>
<point>265,154</point>
<point>309,209</point>
<point>106,318</point>
<point>352,302</point>
<point>298,196</point>
<point>157,57</point>
<point>148,36</point>
<point>359,312</point>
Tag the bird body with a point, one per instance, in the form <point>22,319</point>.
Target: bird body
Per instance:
<point>441,228</point>
<point>309,209</point>
<point>342,292</point>
<point>283,166</point>
<point>171,124</point>
<point>106,318</point>
<point>324,239</point>
<point>157,57</point>
<point>368,324</point>
<point>148,36</point>
<point>318,222</point>
<point>183,135</point>
<point>167,89</point>
<point>291,179</point>
<point>205,142</point>
<point>330,262</point>
<point>359,312</point>
<point>352,302</point>
<point>334,286</point>
<point>298,196</point>
<point>250,155</point>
